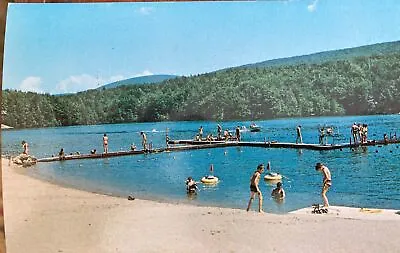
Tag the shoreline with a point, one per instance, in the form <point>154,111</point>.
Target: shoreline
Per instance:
<point>41,216</point>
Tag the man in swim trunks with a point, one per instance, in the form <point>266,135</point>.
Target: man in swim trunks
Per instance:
<point>254,189</point>
<point>299,137</point>
<point>326,183</point>
<point>105,143</point>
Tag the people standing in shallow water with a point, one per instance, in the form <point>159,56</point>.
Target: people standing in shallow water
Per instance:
<point>254,188</point>
<point>299,138</point>
<point>278,192</point>
<point>326,182</point>
<point>105,143</point>
<point>25,146</point>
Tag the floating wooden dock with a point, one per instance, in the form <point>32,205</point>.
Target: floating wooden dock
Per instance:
<point>181,145</point>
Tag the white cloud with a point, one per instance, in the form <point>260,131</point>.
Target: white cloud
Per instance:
<point>31,83</point>
<point>145,10</point>
<point>77,83</point>
<point>312,7</point>
<point>144,73</point>
<point>84,82</point>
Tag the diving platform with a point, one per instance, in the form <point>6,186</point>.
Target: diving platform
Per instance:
<point>182,145</point>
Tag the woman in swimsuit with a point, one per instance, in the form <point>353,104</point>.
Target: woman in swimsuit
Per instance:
<point>254,189</point>
<point>326,183</point>
<point>105,143</point>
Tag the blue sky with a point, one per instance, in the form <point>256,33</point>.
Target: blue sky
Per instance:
<point>62,48</point>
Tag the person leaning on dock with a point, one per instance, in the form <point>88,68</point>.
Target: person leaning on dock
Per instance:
<point>105,143</point>
<point>326,183</point>
<point>25,146</point>
<point>254,188</point>
<point>144,140</point>
<point>299,137</point>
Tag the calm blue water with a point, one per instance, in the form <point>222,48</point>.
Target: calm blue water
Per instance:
<point>361,178</point>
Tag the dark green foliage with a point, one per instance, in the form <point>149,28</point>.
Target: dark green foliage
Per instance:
<point>361,85</point>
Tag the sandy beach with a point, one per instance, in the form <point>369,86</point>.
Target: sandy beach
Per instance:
<point>44,217</point>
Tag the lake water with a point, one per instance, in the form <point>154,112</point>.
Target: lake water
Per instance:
<point>366,177</point>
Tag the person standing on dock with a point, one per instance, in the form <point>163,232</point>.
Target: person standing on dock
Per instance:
<point>219,131</point>
<point>238,133</point>
<point>105,143</point>
<point>144,140</point>
<point>326,182</point>
<point>254,189</point>
<point>201,133</point>
<point>299,137</point>
<point>25,146</point>
<point>354,132</point>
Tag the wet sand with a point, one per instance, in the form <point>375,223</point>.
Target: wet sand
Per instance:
<point>44,217</point>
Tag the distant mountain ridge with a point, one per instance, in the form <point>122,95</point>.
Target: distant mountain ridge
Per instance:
<point>138,80</point>
<point>328,56</point>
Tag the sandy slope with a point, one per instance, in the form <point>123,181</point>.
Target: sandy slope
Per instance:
<point>43,217</point>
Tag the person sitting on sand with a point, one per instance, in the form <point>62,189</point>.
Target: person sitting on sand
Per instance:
<point>326,183</point>
<point>25,146</point>
<point>254,189</point>
<point>61,154</point>
<point>191,186</point>
<point>278,192</point>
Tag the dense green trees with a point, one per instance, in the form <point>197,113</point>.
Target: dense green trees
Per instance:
<point>361,85</point>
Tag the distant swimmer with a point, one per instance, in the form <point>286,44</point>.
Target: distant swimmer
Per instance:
<point>105,143</point>
<point>326,182</point>
<point>25,146</point>
<point>144,140</point>
<point>278,192</point>
<point>254,189</point>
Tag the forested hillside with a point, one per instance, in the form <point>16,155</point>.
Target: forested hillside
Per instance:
<point>362,85</point>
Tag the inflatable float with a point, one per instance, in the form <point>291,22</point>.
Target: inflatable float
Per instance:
<point>209,180</point>
<point>273,176</point>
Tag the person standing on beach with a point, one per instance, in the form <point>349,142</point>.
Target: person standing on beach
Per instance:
<point>25,146</point>
<point>254,189</point>
<point>105,143</point>
<point>326,182</point>
<point>144,140</point>
<point>299,137</point>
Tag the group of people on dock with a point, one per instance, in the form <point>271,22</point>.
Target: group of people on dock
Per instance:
<point>279,192</point>
<point>225,135</point>
<point>324,132</point>
<point>359,132</point>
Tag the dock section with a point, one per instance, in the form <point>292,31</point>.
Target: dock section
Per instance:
<point>182,145</point>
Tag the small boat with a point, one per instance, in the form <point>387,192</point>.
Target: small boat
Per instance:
<point>254,128</point>
<point>273,176</point>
